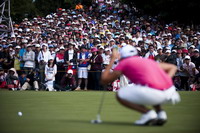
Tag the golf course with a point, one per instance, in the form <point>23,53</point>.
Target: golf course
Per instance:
<point>71,112</point>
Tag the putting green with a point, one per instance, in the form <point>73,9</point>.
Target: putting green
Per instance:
<point>71,112</point>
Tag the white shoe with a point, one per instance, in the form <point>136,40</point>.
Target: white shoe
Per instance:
<point>147,119</point>
<point>162,118</point>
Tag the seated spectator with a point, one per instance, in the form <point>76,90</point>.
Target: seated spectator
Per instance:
<point>12,80</point>
<point>31,81</point>
<point>2,78</point>
<point>68,82</point>
<point>22,79</point>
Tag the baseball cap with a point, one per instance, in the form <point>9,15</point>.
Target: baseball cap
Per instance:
<point>18,47</point>
<point>187,57</point>
<point>196,50</point>
<point>128,51</point>
<point>70,71</point>
<point>37,45</point>
<point>167,51</point>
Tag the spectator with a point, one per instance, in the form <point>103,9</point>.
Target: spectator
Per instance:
<point>29,59</point>
<point>43,58</point>
<point>60,64</point>
<point>68,81</point>
<point>12,80</point>
<point>152,53</point>
<point>96,61</point>
<point>83,60</point>
<point>196,59</point>
<point>17,58</point>
<point>2,78</point>
<point>190,72</point>
<point>79,6</point>
<point>70,58</point>
<point>31,81</point>
<point>50,73</point>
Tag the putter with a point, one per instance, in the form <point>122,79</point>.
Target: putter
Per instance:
<point>98,119</point>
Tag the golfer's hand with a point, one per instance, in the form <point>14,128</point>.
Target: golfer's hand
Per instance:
<point>115,54</point>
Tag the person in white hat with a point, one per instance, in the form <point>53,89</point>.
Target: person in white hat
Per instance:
<point>153,84</point>
<point>43,57</point>
<point>190,71</point>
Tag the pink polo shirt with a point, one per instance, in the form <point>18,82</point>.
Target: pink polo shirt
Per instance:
<point>144,72</point>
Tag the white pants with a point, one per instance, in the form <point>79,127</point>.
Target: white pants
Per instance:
<point>82,72</point>
<point>27,86</point>
<point>144,95</point>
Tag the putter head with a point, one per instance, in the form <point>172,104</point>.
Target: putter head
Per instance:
<point>98,121</point>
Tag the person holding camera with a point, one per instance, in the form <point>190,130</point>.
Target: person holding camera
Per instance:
<point>43,57</point>
<point>31,81</point>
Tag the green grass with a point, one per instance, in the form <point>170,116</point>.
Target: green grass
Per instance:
<point>71,112</point>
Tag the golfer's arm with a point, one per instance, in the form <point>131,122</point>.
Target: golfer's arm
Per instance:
<point>170,69</point>
<point>107,76</point>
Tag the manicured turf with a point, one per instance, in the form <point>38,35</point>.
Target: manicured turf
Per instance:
<point>71,112</point>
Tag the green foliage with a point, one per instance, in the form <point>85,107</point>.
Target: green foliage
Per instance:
<point>21,9</point>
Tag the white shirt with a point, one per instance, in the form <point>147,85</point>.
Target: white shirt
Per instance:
<point>50,72</point>
<point>44,56</point>
<point>71,53</point>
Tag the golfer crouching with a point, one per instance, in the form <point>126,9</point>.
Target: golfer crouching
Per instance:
<point>152,84</point>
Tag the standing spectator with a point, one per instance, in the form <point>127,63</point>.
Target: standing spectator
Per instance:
<point>50,73</point>
<point>43,58</point>
<point>37,51</point>
<point>83,59</point>
<point>79,6</point>
<point>17,58</point>
<point>60,64</point>
<point>96,61</point>
<point>7,60</point>
<point>70,58</point>
<point>29,59</point>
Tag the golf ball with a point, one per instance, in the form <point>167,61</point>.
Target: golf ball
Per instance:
<point>19,113</point>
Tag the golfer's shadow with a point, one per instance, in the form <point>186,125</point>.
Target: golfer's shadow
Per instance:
<point>103,123</point>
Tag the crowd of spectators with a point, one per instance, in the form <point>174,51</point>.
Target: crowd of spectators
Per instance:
<point>68,50</point>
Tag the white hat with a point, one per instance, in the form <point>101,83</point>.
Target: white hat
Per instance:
<point>18,47</point>
<point>168,51</point>
<point>192,46</point>
<point>62,48</point>
<point>123,44</point>
<point>159,48</point>
<point>196,50</point>
<point>29,45</point>
<point>70,71</point>
<point>44,44</point>
<point>128,51</point>
<point>187,57</point>
<point>51,58</point>
<point>174,51</point>
<point>37,45</point>
<point>107,49</point>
